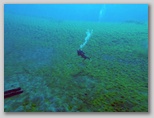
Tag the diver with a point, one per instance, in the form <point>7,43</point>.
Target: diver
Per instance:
<point>82,54</point>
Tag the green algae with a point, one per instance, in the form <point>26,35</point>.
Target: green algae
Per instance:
<point>114,80</point>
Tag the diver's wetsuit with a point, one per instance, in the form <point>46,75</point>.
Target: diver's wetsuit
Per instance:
<point>82,54</point>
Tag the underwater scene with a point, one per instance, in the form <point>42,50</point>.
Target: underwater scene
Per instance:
<point>75,58</point>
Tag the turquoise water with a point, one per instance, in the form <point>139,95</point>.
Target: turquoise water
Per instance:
<point>40,56</point>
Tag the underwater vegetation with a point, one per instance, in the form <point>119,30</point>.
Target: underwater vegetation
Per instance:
<point>40,57</point>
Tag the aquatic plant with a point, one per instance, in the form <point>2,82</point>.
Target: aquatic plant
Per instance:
<point>116,79</point>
